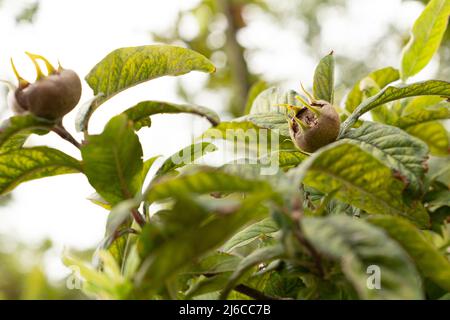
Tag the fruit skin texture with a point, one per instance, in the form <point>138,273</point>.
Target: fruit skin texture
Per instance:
<point>50,97</point>
<point>322,128</point>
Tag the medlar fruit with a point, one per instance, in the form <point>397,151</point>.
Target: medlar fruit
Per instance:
<point>51,96</point>
<point>313,125</point>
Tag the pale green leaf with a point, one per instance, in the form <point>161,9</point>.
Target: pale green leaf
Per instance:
<point>256,230</point>
<point>358,245</point>
<point>15,130</point>
<point>147,166</point>
<point>323,86</point>
<point>185,156</point>
<point>426,37</point>
<point>270,120</point>
<point>423,109</point>
<point>270,99</point>
<point>254,91</point>
<point>22,165</point>
<point>381,77</point>
<point>392,93</point>
<point>205,181</point>
<point>97,199</point>
<point>434,135</point>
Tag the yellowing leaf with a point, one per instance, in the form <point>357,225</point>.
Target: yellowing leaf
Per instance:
<point>426,37</point>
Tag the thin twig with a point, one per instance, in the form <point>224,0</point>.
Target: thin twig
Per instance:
<point>138,217</point>
<point>63,133</point>
<point>299,235</point>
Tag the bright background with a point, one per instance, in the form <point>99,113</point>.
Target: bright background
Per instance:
<point>80,33</point>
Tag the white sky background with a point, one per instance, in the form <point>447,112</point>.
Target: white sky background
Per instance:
<point>80,33</point>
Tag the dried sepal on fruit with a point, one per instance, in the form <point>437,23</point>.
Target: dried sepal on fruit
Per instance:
<point>51,96</point>
<point>314,124</point>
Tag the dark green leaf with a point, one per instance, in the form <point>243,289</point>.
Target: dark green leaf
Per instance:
<point>164,257</point>
<point>265,254</point>
<point>396,149</point>
<point>359,245</point>
<point>430,262</point>
<point>359,178</point>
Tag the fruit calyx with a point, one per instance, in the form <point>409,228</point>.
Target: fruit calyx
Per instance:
<point>313,124</point>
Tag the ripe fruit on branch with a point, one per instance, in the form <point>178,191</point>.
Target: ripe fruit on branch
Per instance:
<point>51,96</point>
<point>314,124</point>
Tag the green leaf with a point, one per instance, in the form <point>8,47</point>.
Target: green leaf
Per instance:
<point>270,99</point>
<point>430,262</point>
<point>426,37</point>
<point>323,86</point>
<point>396,149</point>
<point>22,165</point>
<point>119,214</point>
<point>434,135</point>
<point>206,181</point>
<point>392,93</point>
<point>185,156</point>
<point>423,109</point>
<point>245,133</point>
<point>127,67</point>
<point>359,245</point>
<point>254,91</point>
<point>256,230</point>
<point>381,77</point>
<point>420,117</point>
<point>208,285</point>
<point>163,257</point>
<point>16,130</point>
<point>141,112</point>
<point>359,178</point>
<point>290,158</point>
<point>112,161</point>
<point>147,166</point>
<point>217,262</point>
<point>97,199</point>
<point>258,256</point>
<point>269,120</point>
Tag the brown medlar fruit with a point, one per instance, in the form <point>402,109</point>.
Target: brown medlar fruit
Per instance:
<point>51,96</point>
<point>313,125</point>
